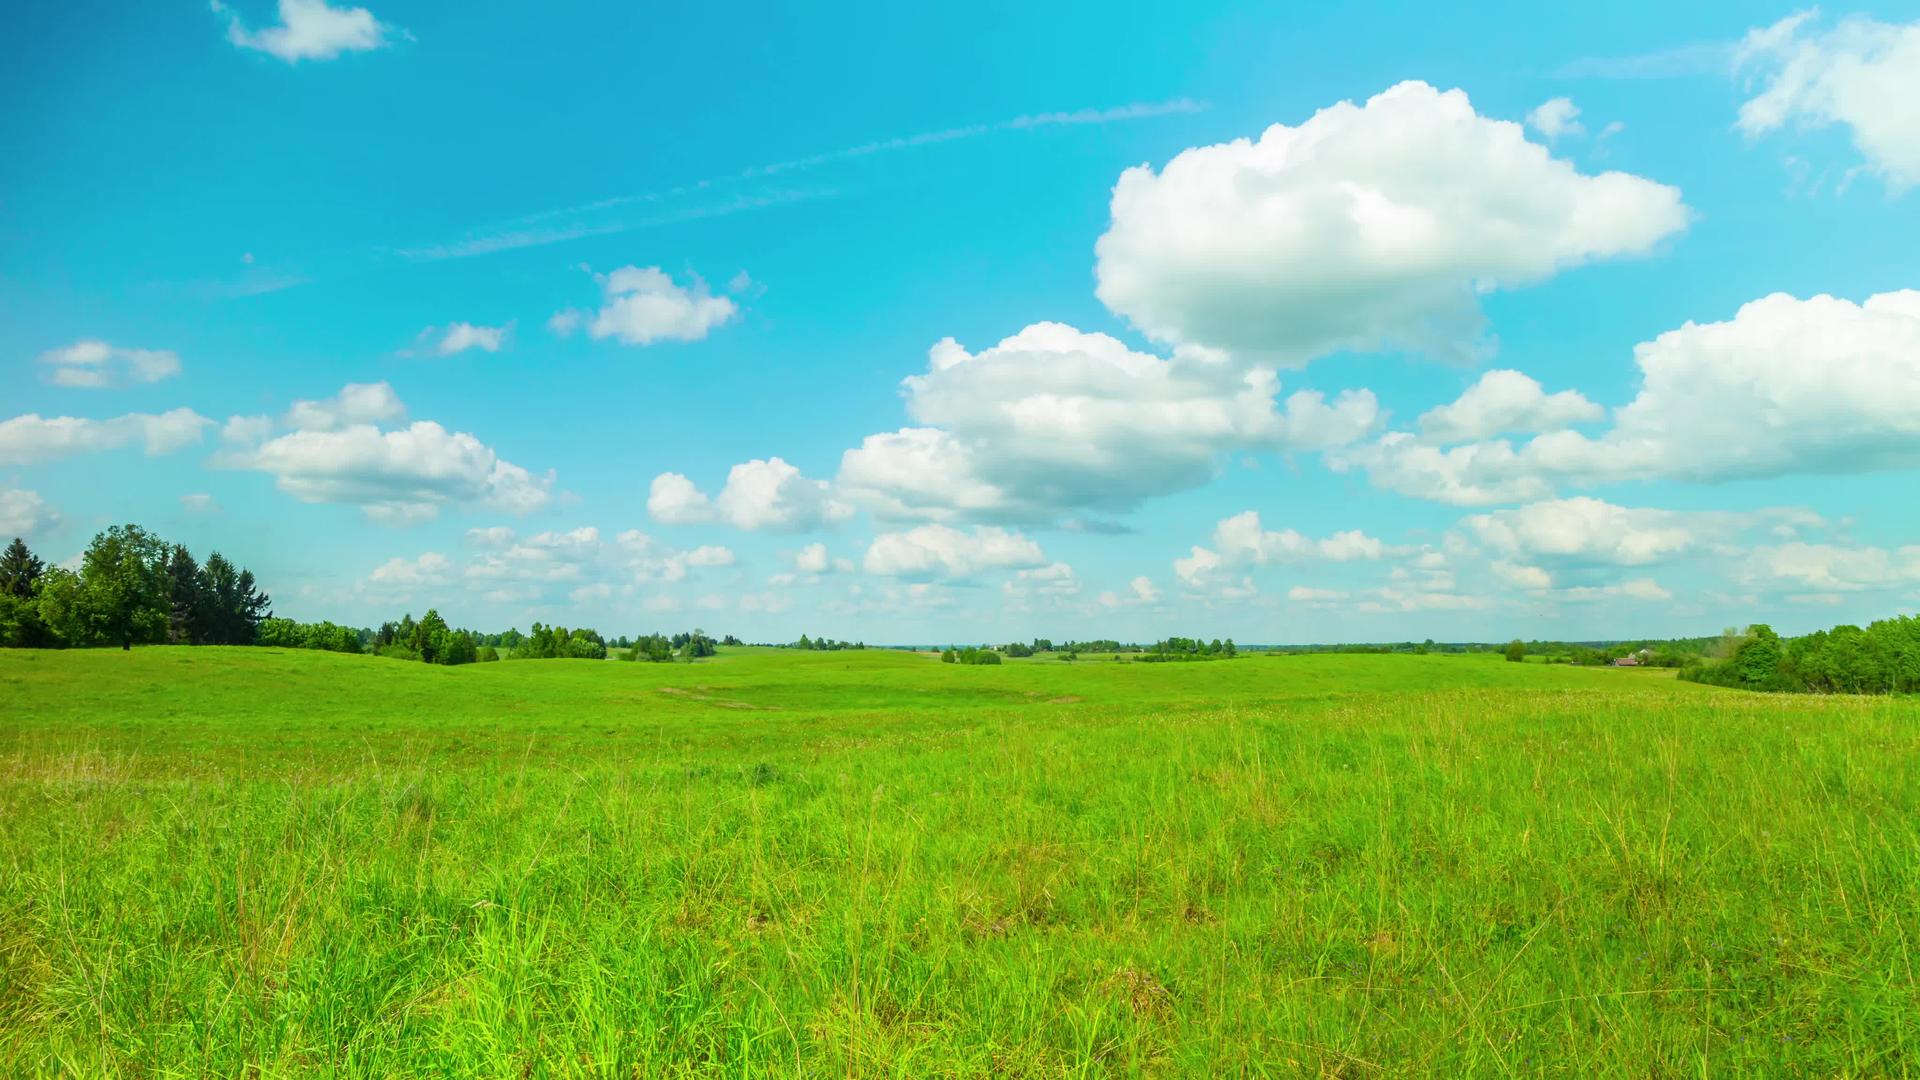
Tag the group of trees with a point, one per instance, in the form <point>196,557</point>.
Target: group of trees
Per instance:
<point>430,641</point>
<point>968,654</point>
<point>326,636</point>
<point>1883,658</point>
<point>131,588</point>
<point>661,649</point>
<point>559,643</point>
<point>1180,648</point>
<point>1098,645</point>
<point>1024,649</point>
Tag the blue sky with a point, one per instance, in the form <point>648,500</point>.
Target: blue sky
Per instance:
<point>778,320</point>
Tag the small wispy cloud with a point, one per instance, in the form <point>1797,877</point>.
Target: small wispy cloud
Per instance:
<point>489,243</point>
<point>458,337</point>
<point>521,232</point>
<point>1120,114</point>
<point>310,30</point>
<point>602,218</point>
<point>1707,58</point>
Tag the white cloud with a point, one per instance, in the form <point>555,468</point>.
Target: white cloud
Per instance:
<point>1241,540</point>
<point>1589,531</point>
<point>576,563</point>
<point>1862,73</point>
<point>1304,594</point>
<point>1504,402</point>
<point>923,473</point>
<point>710,555</point>
<point>24,513</point>
<point>199,503</point>
<point>642,305</point>
<point>939,551</point>
<point>494,536</point>
<point>310,30</point>
<point>1198,567</point>
<point>402,576</point>
<point>1478,474</point>
<point>246,430</point>
<point>811,559</point>
<point>1364,227</point>
<point>644,560</point>
<point>1052,580</point>
<point>1820,385</point>
<point>356,403</point>
<point>1520,576</point>
<point>95,364</point>
<point>460,336</point>
<point>768,495</point>
<point>524,568</point>
<point>1140,591</point>
<point>1786,386</point>
<point>672,499</point>
<point>1054,420</point>
<point>1556,117</point>
<point>34,438</point>
<point>1391,599</point>
<point>337,454</point>
<point>1644,589</point>
<point>1832,568</point>
<point>1633,589</point>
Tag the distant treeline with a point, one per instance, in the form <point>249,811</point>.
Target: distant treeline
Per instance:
<point>133,588</point>
<point>1167,649</point>
<point>1884,658</point>
<point>1650,652</point>
<point>815,644</point>
<point>1380,647</point>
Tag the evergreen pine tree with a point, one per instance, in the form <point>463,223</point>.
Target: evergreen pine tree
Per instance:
<point>183,591</point>
<point>19,569</point>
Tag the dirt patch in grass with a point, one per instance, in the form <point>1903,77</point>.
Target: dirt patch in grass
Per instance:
<point>708,699</point>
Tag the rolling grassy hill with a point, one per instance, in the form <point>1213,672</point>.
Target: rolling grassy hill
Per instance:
<point>872,863</point>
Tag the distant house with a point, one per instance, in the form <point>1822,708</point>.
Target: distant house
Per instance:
<point>1626,661</point>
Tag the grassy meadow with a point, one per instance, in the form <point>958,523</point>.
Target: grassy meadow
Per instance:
<point>225,862</point>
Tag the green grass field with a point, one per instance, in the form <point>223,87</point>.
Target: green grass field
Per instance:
<point>223,862</point>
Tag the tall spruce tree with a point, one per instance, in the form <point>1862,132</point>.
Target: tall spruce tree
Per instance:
<point>183,595</point>
<point>19,569</point>
<point>228,608</point>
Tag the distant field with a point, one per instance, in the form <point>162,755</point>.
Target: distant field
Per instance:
<point>870,863</point>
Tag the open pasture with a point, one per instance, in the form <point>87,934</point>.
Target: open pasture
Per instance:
<point>259,862</point>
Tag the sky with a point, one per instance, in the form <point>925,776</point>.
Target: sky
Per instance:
<point>979,322</point>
